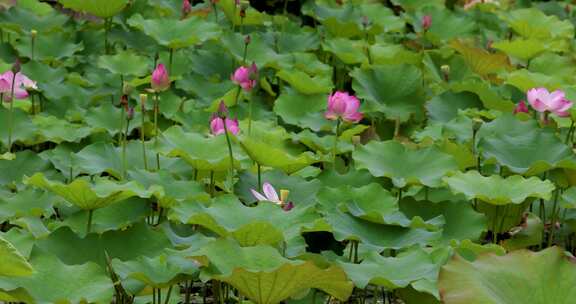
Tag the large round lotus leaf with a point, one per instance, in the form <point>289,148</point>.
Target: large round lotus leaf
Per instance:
<point>25,19</point>
<point>524,147</point>
<point>26,203</point>
<point>487,94</point>
<point>50,128</point>
<point>259,51</point>
<point>533,23</point>
<point>497,190</point>
<point>107,117</point>
<point>395,90</point>
<point>404,166</point>
<point>25,163</point>
<point>305,83</point>
<point>202,153</point>
<point>166,188</point>
<point>302,110</point>
<point>232,13</point>
<point>263,224</point>
<point>445,107</point>
<point>447,25</point>
<point>529,233</point>
<point>23,130</point>
<point>160,272</point>
<point>55,282</point>
<point>13,263</point>
<point>524,49</point>
<point>480,60</point>
<point>86,195</point>
<point>125,63</point>
<point>100,8</point>
<point>274,156</point>
<point>392,272</point>
<point>265,277</point>
<point>50,46</point>
<point>519,277</point>
<point>174,33</point>
<point>127,244</point>
<point>349,51</point>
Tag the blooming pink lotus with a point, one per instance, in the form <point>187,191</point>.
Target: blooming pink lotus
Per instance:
<point>543,101</point>
<point>246,77</point>
<point>160,78</point>
<point>343,105</point>
<point>426,22</point>
<point>21,85</point>
<point>217,125</point>
<point>271,195</point>
<point>521,107</point>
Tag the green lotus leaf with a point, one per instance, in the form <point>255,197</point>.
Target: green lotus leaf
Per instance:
<point>25,19</point>
<point>392,272</point>
<point>395,90</point>
<point>497,190</point>
<point>533,23</point>
<point>480,60</point>
<point>50,46</point>
<point>13,264</point>
<point>260,52</point>
<point>266,154</point>
<point>529,233</point>
<point>404,166</point>
<point>86,195</point>
<point>26,203</point>
<point>100,8</point>
<point>23,128</point>
<point>232,13</point>
<point>25,163</point>
<point>393,54</point>
<point>503,279</point>
<point>265,277</point>
<point>523,147</point>
<point>305,83</point>
<point>56,282</point>
<point>413,5</point>
<point>125,63</point>
<point>445,107</point>
<point>160,272</point>
<point>263,224</point>
<point>447,25</point>
<point>43,73</point>
<point>200,152</point>
<point>176,34</point>
<point>554,65</point>
<point>523,49</point>
<point>487,94</point>
<point>349,51</point>
<point>525,80</point>
<point>302,110</point>
<point>107,117</point>
<point>57,130</point>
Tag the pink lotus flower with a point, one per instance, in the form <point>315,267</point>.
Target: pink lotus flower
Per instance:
<point>217,125</point>
<point>543,101</point>
<point>271,195</point>
<point>21,85</point>
<point>426,22</point>
<point>246,77</point>
<point>345,106</point>
<point>521,107</point>
<point>160,78</point>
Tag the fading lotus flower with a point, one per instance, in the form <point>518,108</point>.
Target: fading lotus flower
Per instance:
<point>217,125</point>
<point>426,22</point>
<point>21,85</point>
<point>543,101</point>
<point>271,195</point>
<point>246,77</point>
<point>521,107</point>
<point>186,8</point>
<point>160,78</point>
<point>343,105</point>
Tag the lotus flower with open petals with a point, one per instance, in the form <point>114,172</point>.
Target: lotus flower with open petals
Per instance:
<point>271,195</point>
<point>543,101</point>
<point>21,85</point>
<point>344,106</point>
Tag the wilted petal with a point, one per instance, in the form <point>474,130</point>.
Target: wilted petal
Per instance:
<point>258,196</point>
<point>270,193</point>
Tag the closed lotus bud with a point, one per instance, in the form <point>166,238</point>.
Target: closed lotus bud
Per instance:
<point>426,22</point>
<point>124,101</point>
<point>160,80</point>
<point>247,39</point>
<point>33,33</point>
<point>365,21</point>
<point>521,107</point>
<point>243,12</point>
<point>186,8</point>
<point>143,99</point>
<point>130,113</point>
<point>445,71</point>
<point>222,110</point>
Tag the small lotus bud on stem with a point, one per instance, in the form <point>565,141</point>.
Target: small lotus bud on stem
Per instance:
<point>242,12</point>
<point>445,72</point>
<point>33,33</point>
<point>143,99</point>
<point>130,113</point>
<point>247,40</point>
<point>222,110</point>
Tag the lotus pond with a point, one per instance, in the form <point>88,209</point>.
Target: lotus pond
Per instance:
<point>287,151</point>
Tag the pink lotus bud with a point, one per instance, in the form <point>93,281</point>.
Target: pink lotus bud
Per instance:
<point>222,110</point>
<point>217,125</point>
<point>186,8</point>
<point>246,77</point>
<point>160,79</point>
<point>426,22</point>
<point>344,106</point>
<point>555,102</point>
<point>521,107</point>
<point>129,113</point>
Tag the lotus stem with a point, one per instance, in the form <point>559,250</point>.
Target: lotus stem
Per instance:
<point>107,23</point>
<point>250,116</point>
<point>156,110</point>
<point>231,173</point>
<point>168,295</point>
<point>32,43</point>
<point>216,12</point>
<point>259,168</point>
<point>211,187</point>
<point>124,144</point>
<point>335,148</point>
<point>170,59</point>
<point>89,223</point>
<point>142,135</point>
<point>11,113</point>
<point>553,219</point>
<point>570,132</point>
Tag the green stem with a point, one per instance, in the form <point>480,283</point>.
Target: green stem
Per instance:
<point>335,148</point>
<point>215,11</point>
<point>211,183</point>
<point>170,59</point>
<point>231,173</point>
<point>32,42</point>
<point>156,110</point>
<point>245,53</point>
<point>259,176</point>
<point>570,131</point>
<point>143,139</point>
<point>107,21</point>
<point>168,295</point>
<point>124,144</point>
<point>396,128</point>
<point>89,223</point>
<point>11,113</point>
<point>553,219</point>
<point>250,116</point>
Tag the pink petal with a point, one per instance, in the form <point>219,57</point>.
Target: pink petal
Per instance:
<point>353,117</point>
<point>330,115</point>
<point>216,126</point>
<point>270,192</point>
<point>258,196</point>
<point>536,98</point>
<point>352,105</point>
<point>232,126</point>
<point>4,86</point>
